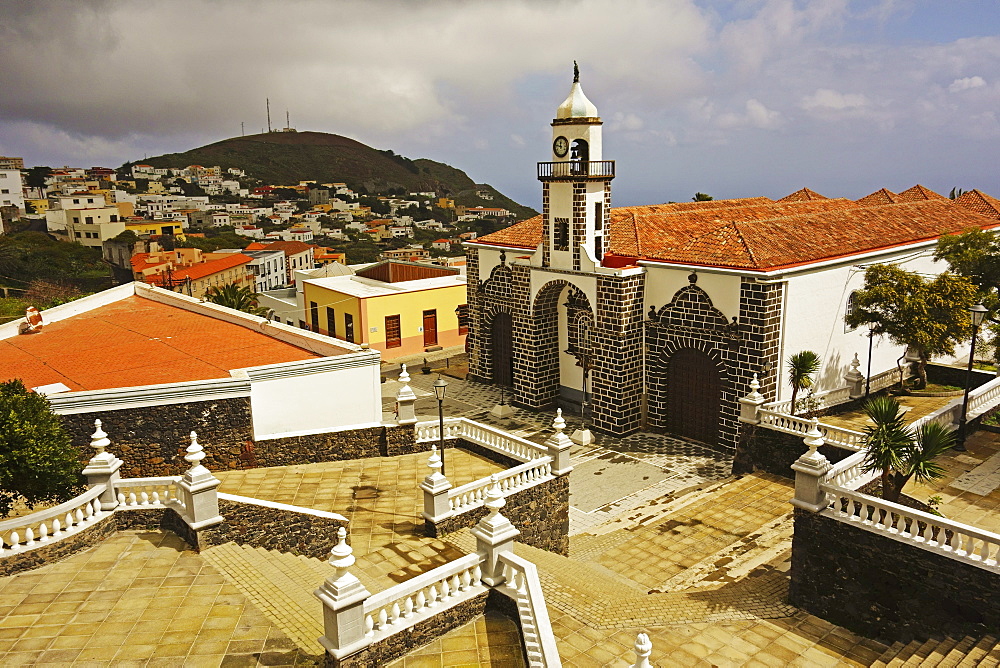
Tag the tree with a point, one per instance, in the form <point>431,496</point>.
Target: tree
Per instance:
<point>702,197</point>
<point>35,176</point>
<point>956,193</point>
<point>239,297</point>
<point>802,366</point>
<point>898,453</point>
<point>929,316</point>
<point>38,462</point>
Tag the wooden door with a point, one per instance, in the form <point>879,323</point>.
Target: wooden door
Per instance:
<point>694,390</point>
<point>502,343</point>
<point>430,328</point>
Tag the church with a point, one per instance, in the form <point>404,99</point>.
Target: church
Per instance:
<point>658,317</point>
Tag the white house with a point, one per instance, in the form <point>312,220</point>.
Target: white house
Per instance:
<point>11,193</point>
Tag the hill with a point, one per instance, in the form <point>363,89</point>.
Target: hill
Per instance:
<point>285,158</point>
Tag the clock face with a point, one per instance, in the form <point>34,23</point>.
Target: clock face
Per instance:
<point>560,146</point>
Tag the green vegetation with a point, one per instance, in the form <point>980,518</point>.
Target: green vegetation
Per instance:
<point>239,297</point>
<point>802,366</point>
<point>929,316</point>
<point>976,255</point>
<point>702,197</point>
<point>38,462</point>
<point>898,453</point>
<point>215,239</point>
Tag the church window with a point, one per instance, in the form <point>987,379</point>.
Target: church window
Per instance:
<point>598,215</point>
<point>560,240</point>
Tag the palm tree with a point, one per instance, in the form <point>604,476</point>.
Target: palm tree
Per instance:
<point>899,453</point>
<point>801,368</point>
<point>239,297</point>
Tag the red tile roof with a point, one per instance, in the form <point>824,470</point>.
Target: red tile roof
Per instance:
<point>918,193</point>
<point>759,234</point>
<point>289,247</point>
<point>203,269</point>
<point>137,341</point>
<point>878,198</point>
<point>980,202</point>
<point>802,195</point>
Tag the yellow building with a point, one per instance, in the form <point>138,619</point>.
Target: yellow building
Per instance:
<point>399,308</point>
<point>40,206</point>
<point>156,227</point>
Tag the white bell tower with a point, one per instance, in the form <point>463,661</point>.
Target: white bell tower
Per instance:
<point>576,186</point>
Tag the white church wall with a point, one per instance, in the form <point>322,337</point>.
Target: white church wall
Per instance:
<point>663,282</point>
<point>816,303</point>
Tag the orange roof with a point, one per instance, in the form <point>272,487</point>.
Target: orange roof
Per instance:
<point>802,195</point>
<point>141,261</point>
<point>878,198</point>
<point>980,202</point>
<point>289,247</point>
<point>137,341</point>
<point>918,193</point>
<point>759,234</point>
<point>207,268</point>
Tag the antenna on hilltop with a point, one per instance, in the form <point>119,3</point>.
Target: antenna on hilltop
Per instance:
<point>288,123</point>
<point>242,131</point>
<point>268,102</point>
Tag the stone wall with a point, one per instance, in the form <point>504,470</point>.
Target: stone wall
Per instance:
<point>540,513</point>
<point>273,528</point>
<point>763,449</point>
<point>885,588</point>
<point>950,375</point>
<point>152,440</point>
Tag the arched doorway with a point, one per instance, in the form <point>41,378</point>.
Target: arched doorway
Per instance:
<point>502,340</point>
<point>694,390</point>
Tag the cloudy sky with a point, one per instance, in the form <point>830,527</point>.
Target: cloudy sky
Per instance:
<point>734,98</point>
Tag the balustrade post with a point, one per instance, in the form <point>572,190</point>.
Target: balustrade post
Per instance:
<point>750,404</point>
<point>343,598</point>
<point>809,471</point>
<point>559,445</point>
<point>103,468</point>
<point>435,487</point>
<point>494,535</point>
<point>405,399</point>
<point>855,381</point>
<point>643,648</point>
<point>199,490</point>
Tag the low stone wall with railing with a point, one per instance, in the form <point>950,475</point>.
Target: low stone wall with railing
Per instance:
<point>365,629</point>
<point>882,569</point>
<point>536,482</point>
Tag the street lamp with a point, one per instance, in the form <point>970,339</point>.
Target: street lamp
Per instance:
<point>977,312</point>
<point>868,376</point>
<point>439,389</point>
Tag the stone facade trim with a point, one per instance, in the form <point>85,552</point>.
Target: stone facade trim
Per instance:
<point>281,506</point>
<point>308,367</point>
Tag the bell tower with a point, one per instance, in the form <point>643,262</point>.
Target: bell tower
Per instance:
<point>576,186</point>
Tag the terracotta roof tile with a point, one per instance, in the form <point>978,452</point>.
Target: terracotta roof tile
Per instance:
<point>980,202</point>
<point>137,341</point>
<point>761,234</point>
<point>289,247</point>
<point>203,269</point>
<point>803,195</point>
<point>918,193</point>
<point>880,197</point>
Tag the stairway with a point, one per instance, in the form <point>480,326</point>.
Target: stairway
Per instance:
<point>938,652</point>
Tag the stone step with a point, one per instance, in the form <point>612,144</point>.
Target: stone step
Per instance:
<point>958,652</point>
<point>939,652</point>
<point>889,654</point>
<point>978,652</point>
<point>904,654</point>
<point>924,651</point>
<point>992,660</point>
<point>404,560</point>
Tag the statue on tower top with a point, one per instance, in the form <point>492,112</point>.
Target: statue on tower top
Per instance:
<point>576,72</point>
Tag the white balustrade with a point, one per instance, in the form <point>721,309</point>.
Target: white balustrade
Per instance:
<point>494,439</point>
<point>400,607</point>
<point>521,583</point>
<point>147,492</point>
<point>792,424</point>
<point>953,539</point>
<point>984,398</point>
<point>37,529</point>
<point>880,381</point>
<point>473,495</point>
<point>849,473</point>
<point>817,401</point>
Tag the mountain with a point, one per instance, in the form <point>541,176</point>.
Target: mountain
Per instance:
<point>285,158</point>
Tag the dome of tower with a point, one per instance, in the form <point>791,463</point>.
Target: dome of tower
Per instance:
<point>576,104</point>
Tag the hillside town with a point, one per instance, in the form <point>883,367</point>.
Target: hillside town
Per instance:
<point>315,426</point>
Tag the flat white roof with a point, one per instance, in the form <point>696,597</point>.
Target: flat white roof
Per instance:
<point>358,286</point>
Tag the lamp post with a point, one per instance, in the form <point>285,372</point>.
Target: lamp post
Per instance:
<point>439,389</point>
<point>977,312</point>
<point>868,376</point>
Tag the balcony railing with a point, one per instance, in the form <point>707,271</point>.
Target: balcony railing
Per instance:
<point>576,169</point>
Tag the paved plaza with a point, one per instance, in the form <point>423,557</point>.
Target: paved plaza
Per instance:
<point>663,541</point>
